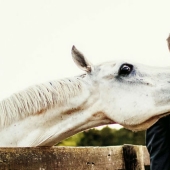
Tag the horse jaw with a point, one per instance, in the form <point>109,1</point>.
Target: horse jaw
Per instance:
<point>144,125</point>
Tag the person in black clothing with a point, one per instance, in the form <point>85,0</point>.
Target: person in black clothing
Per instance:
<point>158,141</point>
<point>158,144</point>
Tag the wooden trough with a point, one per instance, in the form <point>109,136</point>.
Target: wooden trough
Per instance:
<point>126,157</point>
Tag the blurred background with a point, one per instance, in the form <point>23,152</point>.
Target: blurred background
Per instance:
<point>107,136</point>
<point>36,37</point>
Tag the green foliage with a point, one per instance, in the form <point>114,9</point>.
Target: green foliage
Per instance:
<point>72,141</point>
<point>105,137</point>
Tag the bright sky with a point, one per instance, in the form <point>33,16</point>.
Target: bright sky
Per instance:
<point>36,37</point>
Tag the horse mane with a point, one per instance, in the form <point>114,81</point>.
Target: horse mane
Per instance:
<point>37,99</point>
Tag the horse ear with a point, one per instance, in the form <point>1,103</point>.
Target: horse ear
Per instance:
<point>168,41</point>
<point>80,60</point>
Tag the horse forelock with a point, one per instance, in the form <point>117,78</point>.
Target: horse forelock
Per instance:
<point>37,99</point>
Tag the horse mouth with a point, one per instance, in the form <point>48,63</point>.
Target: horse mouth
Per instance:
<point>146,124</point>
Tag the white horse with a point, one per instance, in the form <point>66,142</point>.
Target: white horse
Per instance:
<point>132,95</point>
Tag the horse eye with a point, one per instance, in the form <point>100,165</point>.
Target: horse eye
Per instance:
<point>125,69</point>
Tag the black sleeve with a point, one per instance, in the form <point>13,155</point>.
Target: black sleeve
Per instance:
<point>158,144</point>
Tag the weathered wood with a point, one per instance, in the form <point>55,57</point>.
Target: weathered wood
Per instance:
<point>146,157</point>
<point>136,157</point>
<point>64,158</point>
<point>130,157</point>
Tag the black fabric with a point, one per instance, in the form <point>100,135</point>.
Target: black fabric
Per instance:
<point>158,144</point>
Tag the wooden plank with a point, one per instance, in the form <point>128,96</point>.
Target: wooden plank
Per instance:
<point>62,158</point>
<point>136,157</point>
<point>146,156</point>
<point>131,157</point>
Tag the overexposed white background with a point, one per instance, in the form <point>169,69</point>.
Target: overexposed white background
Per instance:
<point>36,37</point>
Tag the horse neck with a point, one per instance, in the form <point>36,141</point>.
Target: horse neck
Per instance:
<point>41,98</point>
<point>44,120</point>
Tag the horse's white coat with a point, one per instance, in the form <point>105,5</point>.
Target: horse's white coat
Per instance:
<point>45,114</point>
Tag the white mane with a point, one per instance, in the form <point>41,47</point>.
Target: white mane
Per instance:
<point>37,99</point>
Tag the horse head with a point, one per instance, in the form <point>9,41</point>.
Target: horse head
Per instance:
<point>130,94</point>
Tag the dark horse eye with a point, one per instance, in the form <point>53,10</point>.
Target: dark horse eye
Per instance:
<point>125,69</point>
